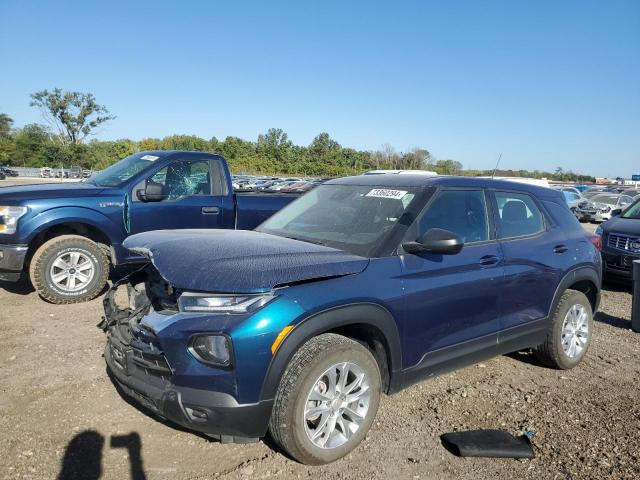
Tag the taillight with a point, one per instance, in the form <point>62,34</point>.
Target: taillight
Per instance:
<point>596,240</point>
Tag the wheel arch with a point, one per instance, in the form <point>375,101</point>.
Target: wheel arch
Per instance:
<point>583,279</point>
<point>369,323</point>
<point>83,228</point>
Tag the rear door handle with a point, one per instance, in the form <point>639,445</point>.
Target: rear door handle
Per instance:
<point>560,249</point>
<point>210,210</point>
<point>489,260</point>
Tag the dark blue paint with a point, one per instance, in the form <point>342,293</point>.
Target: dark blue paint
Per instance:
<point>239,261</point>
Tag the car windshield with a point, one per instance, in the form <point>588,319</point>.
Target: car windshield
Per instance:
<point>123,171</point>
<point>632,212</point>
<point>355,219</point>
<point>606,199</point>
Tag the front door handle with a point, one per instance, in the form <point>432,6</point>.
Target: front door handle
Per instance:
<point>489,260</point>
<point>210,210</point>
<point>560,249</point>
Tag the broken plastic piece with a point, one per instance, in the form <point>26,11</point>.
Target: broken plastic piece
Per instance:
<point>487,443</point>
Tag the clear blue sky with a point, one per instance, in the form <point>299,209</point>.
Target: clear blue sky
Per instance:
<point>547,83</point>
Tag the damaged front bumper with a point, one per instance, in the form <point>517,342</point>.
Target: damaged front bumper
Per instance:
<point>138,366</point>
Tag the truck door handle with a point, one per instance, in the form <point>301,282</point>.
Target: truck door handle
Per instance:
<point>489,260</point>
<point>210,210</point>
<point>560,249</point>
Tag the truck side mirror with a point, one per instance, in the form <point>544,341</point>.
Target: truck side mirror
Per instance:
<point>153,192</point>
<point>435,240</point>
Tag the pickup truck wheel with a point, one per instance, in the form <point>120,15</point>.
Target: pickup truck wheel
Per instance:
<point>569,333</point>
<point>327,400</point>
<point>69,269</point>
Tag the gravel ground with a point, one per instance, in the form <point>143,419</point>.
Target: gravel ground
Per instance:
<point>61,415</point>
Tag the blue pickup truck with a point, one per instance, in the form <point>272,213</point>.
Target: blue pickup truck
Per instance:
<point>363,286</point>
<point>68,235</point>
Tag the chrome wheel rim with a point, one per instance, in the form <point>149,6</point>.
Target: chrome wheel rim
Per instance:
<point>72,271</point>
<point>575,331</point>
<point>337,405</point>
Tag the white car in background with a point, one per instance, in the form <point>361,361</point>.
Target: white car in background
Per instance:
<point>600,207</point>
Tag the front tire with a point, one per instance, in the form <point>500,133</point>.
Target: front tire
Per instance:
<point>327,400</point>
<point>569,334</point>
<point>69,269</point>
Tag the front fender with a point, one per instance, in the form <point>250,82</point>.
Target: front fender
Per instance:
<point>371,314</point>
<point>58,216</point>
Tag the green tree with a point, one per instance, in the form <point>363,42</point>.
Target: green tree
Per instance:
<point>5,125</point>
<point>31,145</point>
<point>274,144</point>
<point>74,115</point>
<point>448,167</point>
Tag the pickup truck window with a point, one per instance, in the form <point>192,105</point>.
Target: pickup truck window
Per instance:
<point>184,178</point>
<point>121,172</point>
<point>355,219</point>
<point>462,212</point>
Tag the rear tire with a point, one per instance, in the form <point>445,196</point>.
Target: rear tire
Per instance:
<point>69,269</point>
<point>317,425</point>
<point>569,334</point>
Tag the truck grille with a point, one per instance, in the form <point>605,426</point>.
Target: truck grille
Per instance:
<point>624,242</point>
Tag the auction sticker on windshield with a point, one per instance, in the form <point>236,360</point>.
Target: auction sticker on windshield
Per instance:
<point>151,158</point>
<point>386,193</point>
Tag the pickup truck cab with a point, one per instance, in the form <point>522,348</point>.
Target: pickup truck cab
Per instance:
<point>68,235</point>
<point>363,286</point>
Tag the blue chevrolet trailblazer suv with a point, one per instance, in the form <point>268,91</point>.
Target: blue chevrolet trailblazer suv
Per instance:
<point>363,286</point>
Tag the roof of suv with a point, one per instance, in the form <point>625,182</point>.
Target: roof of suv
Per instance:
<point>411,180</point>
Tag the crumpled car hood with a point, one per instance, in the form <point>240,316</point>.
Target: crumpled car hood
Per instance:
<point>239,261</point>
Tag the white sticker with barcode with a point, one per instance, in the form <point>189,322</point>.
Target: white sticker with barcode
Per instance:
<point>386,193</point>
<point>151,158</point>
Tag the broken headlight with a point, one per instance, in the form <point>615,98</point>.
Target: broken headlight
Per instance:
<point>213,349</point>
<point>210,303</point>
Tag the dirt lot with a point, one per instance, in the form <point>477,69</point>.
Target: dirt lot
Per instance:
<point>60,414</point>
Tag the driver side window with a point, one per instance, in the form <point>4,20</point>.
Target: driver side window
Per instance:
<point>463,212</point>
<point>184,178</point>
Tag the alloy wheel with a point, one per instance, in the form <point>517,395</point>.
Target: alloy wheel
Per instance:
<point>337,405</point>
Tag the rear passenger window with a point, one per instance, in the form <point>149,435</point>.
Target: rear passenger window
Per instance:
<point>462,212</point>
<point>518,215</point>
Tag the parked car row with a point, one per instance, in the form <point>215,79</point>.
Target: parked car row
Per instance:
<point>597,203</point>
<point>7,172</point>
<point>247,183</point>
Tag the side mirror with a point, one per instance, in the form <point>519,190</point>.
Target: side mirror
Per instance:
<point>435,240</point>
<point>615,212</point>
<point>153,192</point>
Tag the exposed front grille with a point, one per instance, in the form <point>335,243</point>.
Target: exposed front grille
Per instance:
<point>624,242</point>
<point>152,363</point>
<point>147,353</point>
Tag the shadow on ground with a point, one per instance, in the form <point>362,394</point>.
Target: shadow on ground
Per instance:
<point>83,455</point>
<point>613,321</point>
